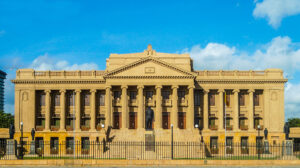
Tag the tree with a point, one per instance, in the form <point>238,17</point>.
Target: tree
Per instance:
<point>294,122</point>
<point>6,119</point>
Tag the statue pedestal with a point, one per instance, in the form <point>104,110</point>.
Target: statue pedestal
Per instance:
<point>32,147</point>
<point>11,149</point>
<point>266,147</point>
<point>287,147</point>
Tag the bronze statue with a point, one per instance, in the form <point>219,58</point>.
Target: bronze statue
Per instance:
<point>266,133</point>
<point>286,130</point>
<point>149,118</point>
<point>32,134</point>
<point>11,131</point>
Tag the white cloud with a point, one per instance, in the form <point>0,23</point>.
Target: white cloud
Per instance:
<point>281,53</point>
<point>275,10</point>
<point>292,100</point>
<point>46,62</point>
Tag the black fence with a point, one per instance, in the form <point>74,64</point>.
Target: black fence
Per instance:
<point>147,151</point>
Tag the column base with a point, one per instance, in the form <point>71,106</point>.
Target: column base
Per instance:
<point>62,130</point>
<point>93,130</point>
<point>46,130</point>
<point>77,130</point>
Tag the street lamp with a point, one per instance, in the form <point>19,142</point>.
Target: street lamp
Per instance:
<point>21,141</point>
<point>258,129</point>
<point>172,140</point>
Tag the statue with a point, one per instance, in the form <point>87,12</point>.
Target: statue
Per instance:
<point>286,130</point>
<point>11,131</point>
<point>149,118</point>
<point>32,134</point>
<point>266,133</point>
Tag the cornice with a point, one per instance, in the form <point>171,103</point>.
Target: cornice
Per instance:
<point>246,81</point>
<point>149,77</point>
<point>55,81</point>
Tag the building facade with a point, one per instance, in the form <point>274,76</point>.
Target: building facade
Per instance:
<point>2,78</point>
<point>199,105</point>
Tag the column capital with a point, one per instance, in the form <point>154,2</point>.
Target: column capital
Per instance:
<point>158,86</point>
<point>175,86</point>
<point>191,87</point>
<point>93,90</point>
<point>124,87</point>
<point>221,90</point>
<point>205,91</point>
<point>77,90</point>
<point>140,86</point>
<point>236,90</point>
<point>251,90</point>
<point>62,90</point>
<point>107,87</point>
<point>47,91</point>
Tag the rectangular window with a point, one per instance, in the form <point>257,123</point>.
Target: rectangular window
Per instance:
<point>132,95</point>
<point>149,94</point>
<point>214,145</point>
<point>86,99</point>
<point>229,141</point>
<point>132,120</point>
<point>242,99</point>
<point>57,100</point>
<point>117,120</point>
<point>197,98</point>
<point>70,145</point>
<point>42,99</point>
<point>227,122</point>
<point>227,98</point>
<point>54,144</point>
<point>166,120</point>
<point>85,145</point>
<point>181,94</point>
<point>181,120</point>
<point>244,145</point>
<point>102,99</point>
<point>166,94</point>
<point>212,99</point>
<point>71,99</point>
<point>256,99</point>
<point>117,94</point>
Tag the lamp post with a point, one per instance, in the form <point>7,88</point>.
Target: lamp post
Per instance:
<point>258,129</point>
<point>172,141</point>
<point>21,141</point>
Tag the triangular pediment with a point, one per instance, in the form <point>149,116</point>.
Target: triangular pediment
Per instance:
<point>149,67</point>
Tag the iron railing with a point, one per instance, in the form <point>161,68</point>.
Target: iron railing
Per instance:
<point>147,151</point>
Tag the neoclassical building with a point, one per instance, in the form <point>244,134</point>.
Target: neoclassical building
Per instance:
<point>198,104</point>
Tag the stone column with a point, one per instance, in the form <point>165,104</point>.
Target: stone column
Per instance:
<point>62,110</point>
<point>77,110</point>
<point>236,110</point>
<point>47,110</point>
<point>158,110</point>
<point>108,113</point>
<point>174,115</point>
<point>221,109</point>
<point>205,109</point>
<point>191,109</point>
<point>93,110</point>
<point>124,107</point>
<point>141,117</point>
<point>251,111</point>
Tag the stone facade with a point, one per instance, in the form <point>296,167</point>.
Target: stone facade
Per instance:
<point>65,104</point>
<point>2,77</point>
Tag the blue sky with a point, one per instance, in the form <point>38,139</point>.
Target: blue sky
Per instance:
<point>232,34</point>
